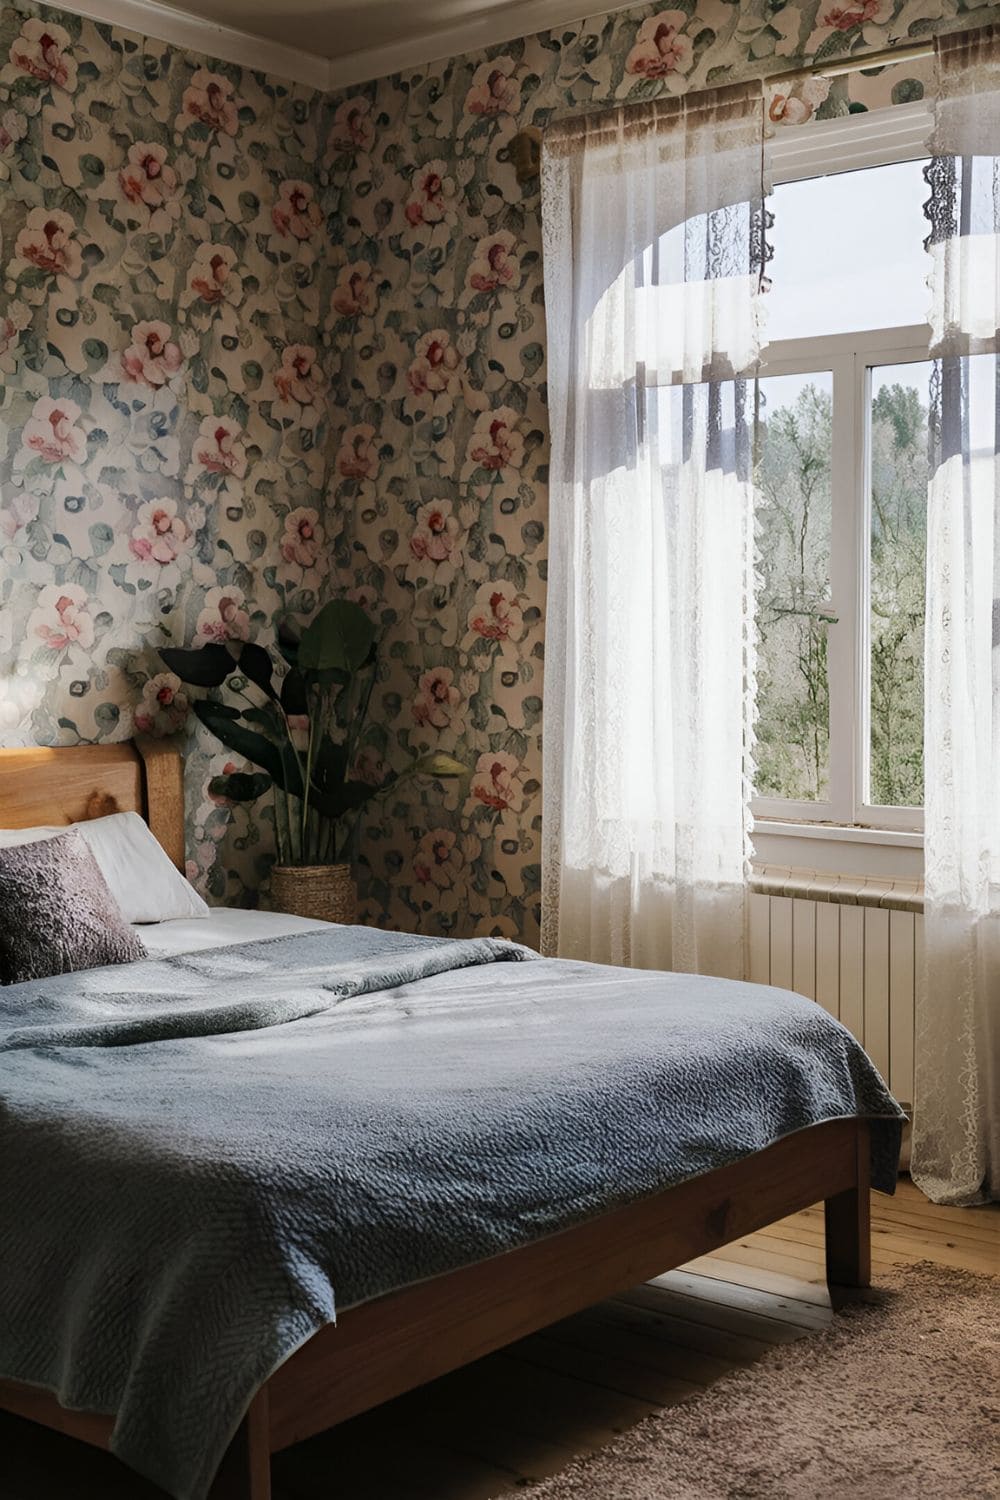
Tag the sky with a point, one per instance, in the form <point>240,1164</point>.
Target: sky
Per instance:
<point>848,253</point>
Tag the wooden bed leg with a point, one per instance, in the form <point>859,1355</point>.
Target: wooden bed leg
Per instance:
<point>848,1226</point>
<point>245,1472</point>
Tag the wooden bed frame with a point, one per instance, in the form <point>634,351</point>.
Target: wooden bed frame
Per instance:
<point>382,1348</point>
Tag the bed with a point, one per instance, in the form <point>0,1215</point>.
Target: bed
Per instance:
<point>428,1320</point>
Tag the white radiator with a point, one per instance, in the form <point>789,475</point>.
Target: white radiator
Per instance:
<point>856,960</point>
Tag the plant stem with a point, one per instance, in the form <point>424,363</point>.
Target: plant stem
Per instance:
<point>280,832</point>
<point>295,855</point>
<point>313,716</point>
<point>359,716</point>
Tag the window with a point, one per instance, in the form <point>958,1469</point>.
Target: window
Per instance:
<point>841,475</point>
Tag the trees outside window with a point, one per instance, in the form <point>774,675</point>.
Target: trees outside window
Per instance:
<point>887,536</point>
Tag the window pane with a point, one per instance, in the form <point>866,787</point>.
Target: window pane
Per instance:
<point>793,610</point>
<point>848,253</point>
<point>898,447</point>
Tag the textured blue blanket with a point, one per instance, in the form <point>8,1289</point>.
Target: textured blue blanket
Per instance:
<point>205,1151</point>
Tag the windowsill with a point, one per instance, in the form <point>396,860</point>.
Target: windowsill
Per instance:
<point>846,833</point>
<point>839,849</point>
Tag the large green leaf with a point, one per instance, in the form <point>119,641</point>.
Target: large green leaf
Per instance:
<point>208,666</point>
<point>339,639</point>
<point>246,742</point>
<point>256,664</point>
<point>436,763</point>
<point>329,765</point>
<point>288,643</point>
<point>240,786</point>
<point>271,723</point>
<point>293,693</point>
<point>346,798</point>
<point>267,719</point>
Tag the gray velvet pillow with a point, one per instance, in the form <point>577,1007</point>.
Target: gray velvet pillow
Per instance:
<point>56,912</point>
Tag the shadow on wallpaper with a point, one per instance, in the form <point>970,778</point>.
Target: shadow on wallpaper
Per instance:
<point>258,346</point>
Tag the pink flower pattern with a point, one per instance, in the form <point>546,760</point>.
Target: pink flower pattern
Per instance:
<point>302,538</point>
<point>164,707</point>
<point>436,365</point>
<point>152,358</point>
<point>211,275</point>
<point>224,617</point>
<point>61,618</point>
<point>436,698</point>
<point>660,48</point>
<point>48,242</point>
<point>43,51</point>
<point>800,103</point>
<point>295,214</point>
<point>494,782</point>
<point>355,292</point>
<point>432,190</point>
<point>495,264</point>
<point>435,535</point>
<point>352,128</point>
<point>496,443</point>
<point>298,378</point>
<point>209,99</point>
<point>495,89</point>
<point>438,859</point>
<point>160,534</point>
<point>496,612</point>
<point>147,176</point>
<point>219,448</point>
<point>857,13</point>
<point>52,434</point>
<point>357,457</point>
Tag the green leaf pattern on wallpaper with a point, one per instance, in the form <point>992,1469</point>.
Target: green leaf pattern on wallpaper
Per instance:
<point>164,419</point>
<point>258,348</point>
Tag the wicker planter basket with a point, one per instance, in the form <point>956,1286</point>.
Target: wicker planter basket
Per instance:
<point>326,892</point>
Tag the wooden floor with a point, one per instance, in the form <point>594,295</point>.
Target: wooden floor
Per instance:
<point>526,1412</point>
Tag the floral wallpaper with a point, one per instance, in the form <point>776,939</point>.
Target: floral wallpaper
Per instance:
<point>440,385</point>
<point>164,417</point>
<point>258,345</point>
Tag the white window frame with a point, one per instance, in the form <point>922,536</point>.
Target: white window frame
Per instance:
<point>818,149</point>
<point>849,357</point>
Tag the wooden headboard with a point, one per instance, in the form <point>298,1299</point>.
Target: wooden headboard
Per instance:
<point>71,783</point>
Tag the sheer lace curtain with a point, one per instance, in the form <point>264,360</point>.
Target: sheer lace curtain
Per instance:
<point>654,249</point>
<point>956,1129</point>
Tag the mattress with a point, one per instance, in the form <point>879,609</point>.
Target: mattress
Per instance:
<point>224,927</point>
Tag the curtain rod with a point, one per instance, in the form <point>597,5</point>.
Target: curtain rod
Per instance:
<point>858,63</point>
<point>526,145</point>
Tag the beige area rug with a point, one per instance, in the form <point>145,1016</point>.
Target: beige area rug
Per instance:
<point>898,1400</point>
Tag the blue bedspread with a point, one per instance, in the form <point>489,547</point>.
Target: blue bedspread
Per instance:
<point>202,1156</point>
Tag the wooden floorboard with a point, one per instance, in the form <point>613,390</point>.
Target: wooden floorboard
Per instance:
<point>527,1411</point>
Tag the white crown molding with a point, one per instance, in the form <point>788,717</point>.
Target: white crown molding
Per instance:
<point>518,19</point>
<point>180,28</point>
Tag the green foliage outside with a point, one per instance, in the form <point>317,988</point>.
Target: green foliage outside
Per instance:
<point>898,565</point>
<point>794,602</point>
<point>793,613</point>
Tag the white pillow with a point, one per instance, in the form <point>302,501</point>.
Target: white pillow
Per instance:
<point>147,887</point>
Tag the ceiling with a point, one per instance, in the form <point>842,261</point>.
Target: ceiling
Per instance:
<point>331,44</point>
<point>336,27</point>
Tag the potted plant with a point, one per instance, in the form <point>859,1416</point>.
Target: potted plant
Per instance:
<point>303,729</point>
